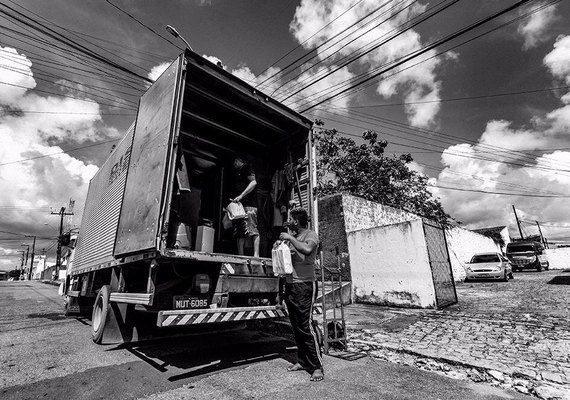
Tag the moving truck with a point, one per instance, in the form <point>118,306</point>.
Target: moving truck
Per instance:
<point>153,253</point>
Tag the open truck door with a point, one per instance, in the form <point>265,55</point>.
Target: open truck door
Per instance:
<point>151,159</point>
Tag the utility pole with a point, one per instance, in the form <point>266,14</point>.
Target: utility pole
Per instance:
<point>541,237</point>
<point>22,263</point>
<point>27,254</point>
<point>32,258</point>
<point>61,213</point>
<point>518,223</point>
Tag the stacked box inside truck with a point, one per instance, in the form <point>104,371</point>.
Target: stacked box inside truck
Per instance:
<point>152,232</point>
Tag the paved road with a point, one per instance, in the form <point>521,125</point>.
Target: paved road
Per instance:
<point>520,329</point>
<point>45,355</point>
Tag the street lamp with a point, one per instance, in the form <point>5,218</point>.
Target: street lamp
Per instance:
<point>175,33</point>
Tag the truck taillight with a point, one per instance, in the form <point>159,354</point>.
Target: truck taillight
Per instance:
<point>201,283</point>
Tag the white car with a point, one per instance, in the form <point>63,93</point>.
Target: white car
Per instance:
<point>489,266</point>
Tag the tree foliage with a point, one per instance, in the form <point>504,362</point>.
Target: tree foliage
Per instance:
<point>364,170</point>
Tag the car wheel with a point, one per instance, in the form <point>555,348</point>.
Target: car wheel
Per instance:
<point>547,266</point>
<point>99,316</point>
<point>511,275</point>
<point>539,268</point>
<point>506,277</point>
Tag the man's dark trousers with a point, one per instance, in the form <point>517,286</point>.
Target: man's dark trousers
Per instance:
<point>300,298</point>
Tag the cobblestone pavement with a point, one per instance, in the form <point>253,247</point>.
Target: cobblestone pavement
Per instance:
<point>516,333</point>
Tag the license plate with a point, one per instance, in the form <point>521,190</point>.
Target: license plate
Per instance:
<point>189,302</point>
<point>484,275</point>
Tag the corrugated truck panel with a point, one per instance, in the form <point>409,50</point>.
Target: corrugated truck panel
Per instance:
<point>101,214</point>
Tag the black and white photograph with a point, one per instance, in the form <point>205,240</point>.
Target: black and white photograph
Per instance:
<point>285,199</point>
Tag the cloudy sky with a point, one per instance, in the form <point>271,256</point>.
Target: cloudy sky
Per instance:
<point>477,93</point>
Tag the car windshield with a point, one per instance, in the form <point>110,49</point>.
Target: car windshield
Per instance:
<point>485,258</point>
<point>520,249</point>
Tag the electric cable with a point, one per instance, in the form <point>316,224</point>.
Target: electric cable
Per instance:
<point>287,69</point>
<point>347,82</point>
<point>302,43</point>
<point>60,152</point>
<point>147,27</point>
<point>360,55</point>
<point>427,48</point>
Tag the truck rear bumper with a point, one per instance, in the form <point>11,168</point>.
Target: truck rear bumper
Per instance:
<point>213,315</point>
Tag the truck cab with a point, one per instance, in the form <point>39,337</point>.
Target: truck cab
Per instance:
<point>527,255</point>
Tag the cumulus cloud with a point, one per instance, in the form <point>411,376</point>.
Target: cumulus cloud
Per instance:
<point>157,70</point>
<point>417,84</point>
<point>534,29</point>
<point>547,174</point>
<point>33,127</point>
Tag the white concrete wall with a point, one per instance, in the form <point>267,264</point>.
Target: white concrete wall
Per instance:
<point>462,244</point>
<point>363,214</point>
<point>390,266</point>
<point>558,258</point>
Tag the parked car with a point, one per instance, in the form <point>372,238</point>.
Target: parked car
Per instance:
<point>527,255</point>
<point>489,266</point>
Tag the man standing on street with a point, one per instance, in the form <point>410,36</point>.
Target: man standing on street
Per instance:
<point>300,293</point>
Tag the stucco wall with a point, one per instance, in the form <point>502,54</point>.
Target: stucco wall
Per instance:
<point>462,244</point>
<point>363,214</point>
<point>332,233</point>
<point>390,266</point>
<point>558,258</point>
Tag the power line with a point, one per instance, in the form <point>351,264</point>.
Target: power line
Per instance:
<point>534,190</point>
<point>424,50</point>
<point>499,193</point>
<point>486,96</point>
<point>289,66</point>
<point>67,96</point>
<point>302,43</point>
<point>514,155</point>
<point>368,73</point>
<point>60,152</point>
<point>361,54</point>
<point>18,112</point>
<point>72,32</point>
<point>25,20</point>
<point>364,50</point>
<point>71,55</point>
<point>147,27</point>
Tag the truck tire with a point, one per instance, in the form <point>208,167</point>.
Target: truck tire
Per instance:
<point>99,316</point>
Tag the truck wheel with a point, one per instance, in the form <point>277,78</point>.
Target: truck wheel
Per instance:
<point>99,316</point>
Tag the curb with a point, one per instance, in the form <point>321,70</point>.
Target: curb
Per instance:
<point>476,372</point>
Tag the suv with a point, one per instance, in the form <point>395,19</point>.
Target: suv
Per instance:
<point>527,255</point>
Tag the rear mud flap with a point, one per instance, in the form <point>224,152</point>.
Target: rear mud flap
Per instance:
<point>124,324</point>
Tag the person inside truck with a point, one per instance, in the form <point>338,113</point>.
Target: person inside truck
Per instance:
<point>244,190</point>
<point>300,293</point>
